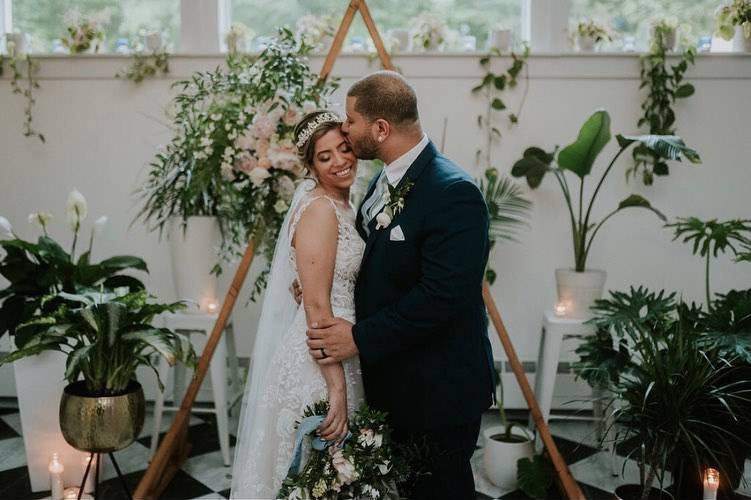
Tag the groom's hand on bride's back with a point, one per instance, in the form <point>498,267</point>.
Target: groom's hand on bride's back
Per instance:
<point>331,341</point>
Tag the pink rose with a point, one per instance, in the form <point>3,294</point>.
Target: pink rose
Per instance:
<point>264,163</point>
<point>291,116</point>
<point>262,147</point>
<point>246,164</point>
<point>264,126</point>
<point>245,141</point>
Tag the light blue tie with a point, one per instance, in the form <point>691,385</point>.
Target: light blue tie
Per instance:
<point>374,204</point>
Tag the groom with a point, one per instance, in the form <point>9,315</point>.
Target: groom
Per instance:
<point>421,330</point>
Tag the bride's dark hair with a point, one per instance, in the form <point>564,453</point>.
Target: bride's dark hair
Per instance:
<point>307,150</point>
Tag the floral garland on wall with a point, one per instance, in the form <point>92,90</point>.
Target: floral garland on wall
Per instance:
<point>232,154</point>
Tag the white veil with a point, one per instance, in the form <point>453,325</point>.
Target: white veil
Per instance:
<point>277,315</point>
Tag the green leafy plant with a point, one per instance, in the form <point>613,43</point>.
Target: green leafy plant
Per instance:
<point>594,30</point>
<point>37,273</point>
<point>146,66</point>
<point>664,86</point>
<point>709,238</point>
<point>508,210</point>
<point>232,154</point>
<point>23,66</point>
<point>84,31</point>
<point>535,477</point>
<point>491,88</point>
<point>736,13</point>
<point>579,158</point>
<point>680,403</point>
<point>106,335</point>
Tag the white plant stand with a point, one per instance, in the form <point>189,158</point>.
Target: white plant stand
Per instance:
<point>198,327</point>
<point>556,330</point>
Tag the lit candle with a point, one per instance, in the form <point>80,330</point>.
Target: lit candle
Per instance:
<point>72,494</point>
<point>91,477</point>
<point>212,307</point>
<point>711,483</point>
<point>56,477</point>
<point>560,309</point>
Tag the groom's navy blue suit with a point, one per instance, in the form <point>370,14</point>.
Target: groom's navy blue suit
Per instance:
<point>421,322</point>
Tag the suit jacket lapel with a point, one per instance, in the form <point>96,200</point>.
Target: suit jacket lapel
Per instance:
<point>414,171</point>
<point>359,217</point>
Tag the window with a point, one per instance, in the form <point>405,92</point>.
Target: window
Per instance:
<point>630,21</point>
<point>43,20</point>
<point>465,18</point>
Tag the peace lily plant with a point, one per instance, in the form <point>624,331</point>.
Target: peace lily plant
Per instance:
<point>94,313</point>
<point>578,158</point>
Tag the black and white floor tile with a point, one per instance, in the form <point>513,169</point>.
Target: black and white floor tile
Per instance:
<point>204,475</point>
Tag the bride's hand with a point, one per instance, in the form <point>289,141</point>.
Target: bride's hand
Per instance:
<point>334,426</point>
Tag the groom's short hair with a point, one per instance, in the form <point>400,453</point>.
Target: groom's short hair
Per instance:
<point>386,95</point>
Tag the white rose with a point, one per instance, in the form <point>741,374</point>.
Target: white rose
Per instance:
<point>227,172</point>
<point>280,206</point>
<point>6,230</point>
<point>383,220</point>
<point>258,175</point>
<point>76,209</point>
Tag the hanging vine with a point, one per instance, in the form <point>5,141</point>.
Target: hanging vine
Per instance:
<point>19,65</point>
<point>492,87</point>
<point>145,66</point>
<point>665,85</point>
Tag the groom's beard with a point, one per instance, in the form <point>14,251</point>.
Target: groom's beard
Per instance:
<point>365,148</point>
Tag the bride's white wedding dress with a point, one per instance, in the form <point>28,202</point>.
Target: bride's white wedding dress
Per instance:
<point>291,379</point>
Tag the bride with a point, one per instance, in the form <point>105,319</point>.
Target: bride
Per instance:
<point>319,246</point>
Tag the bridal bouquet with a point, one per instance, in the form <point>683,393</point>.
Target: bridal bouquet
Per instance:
<point>367,465</point>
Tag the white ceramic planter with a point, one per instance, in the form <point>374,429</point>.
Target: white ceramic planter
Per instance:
<point>499,458</point>
<point>578,291</point>
<point>499,39</point>
<point>39,386</point>
<point>586,43</point>
<point>740,42</point>
<point>194,254</point>
<point>400,40</point>
<point>18,42</point>
<point>153,41</point>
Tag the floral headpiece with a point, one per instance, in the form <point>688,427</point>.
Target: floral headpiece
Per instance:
<point>313,125</point>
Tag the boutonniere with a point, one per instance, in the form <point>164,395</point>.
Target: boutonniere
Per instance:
<point>393,200</point>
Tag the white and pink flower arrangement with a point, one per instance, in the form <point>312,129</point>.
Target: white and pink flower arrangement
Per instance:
<point>84,32</point>
<point>232,155</point>
<point>368,465</point>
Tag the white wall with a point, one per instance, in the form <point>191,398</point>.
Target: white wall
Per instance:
<point>101,133</point>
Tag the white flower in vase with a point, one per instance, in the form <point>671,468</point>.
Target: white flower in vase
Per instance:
<point>430,32</point>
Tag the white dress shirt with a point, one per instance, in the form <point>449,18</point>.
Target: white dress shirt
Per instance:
<point>397,168</point>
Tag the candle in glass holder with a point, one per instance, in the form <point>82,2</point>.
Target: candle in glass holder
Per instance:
<point>56,477</point>
<point>711,483</point>
<point>560,309</point>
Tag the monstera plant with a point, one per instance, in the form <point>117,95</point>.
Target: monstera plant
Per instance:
<point>579,287</point>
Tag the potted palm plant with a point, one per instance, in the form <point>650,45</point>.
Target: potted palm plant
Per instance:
<point>679,402</point>
<point>579,287</point>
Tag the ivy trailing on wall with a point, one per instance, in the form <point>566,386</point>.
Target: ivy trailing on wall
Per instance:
<point>23,67</point>
<point>665,85</point>
<point>145,66</point>
<point>492,87</point>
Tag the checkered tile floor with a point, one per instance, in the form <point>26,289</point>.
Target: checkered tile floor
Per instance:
<point>204,476</point>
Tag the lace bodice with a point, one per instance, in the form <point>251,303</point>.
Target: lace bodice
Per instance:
<point>349,252</point>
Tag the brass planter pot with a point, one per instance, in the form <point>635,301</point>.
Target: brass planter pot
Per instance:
<point>101,424</point>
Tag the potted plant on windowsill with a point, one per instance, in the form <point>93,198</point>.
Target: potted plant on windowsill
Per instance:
<point>734,23</point>
<point>590,34</point>
<point>579,287</point>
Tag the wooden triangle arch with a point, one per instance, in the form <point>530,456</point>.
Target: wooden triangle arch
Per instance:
<point>174,448</point>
